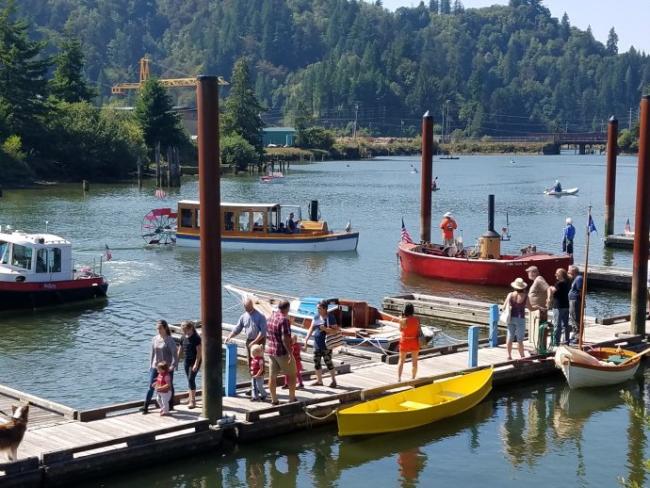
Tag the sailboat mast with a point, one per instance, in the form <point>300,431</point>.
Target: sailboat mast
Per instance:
<point>583,295</point>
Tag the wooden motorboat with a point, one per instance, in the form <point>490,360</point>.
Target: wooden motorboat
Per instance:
<point>599,366</point>
<point>249,227</point>
<point>36,270</point>
<point>568,191</point>
<point>362,325</point>
<point>482,265</point>
<point>416,407</point>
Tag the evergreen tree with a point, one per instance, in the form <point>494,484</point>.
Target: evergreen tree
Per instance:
<point>242,111</point>
<point>458,7</point>
<point>23,87</point>
<point>69,83</point>
<point>155,116</point>
<point>434,6</point>
<point>612,42</point>
<point>445,6</point>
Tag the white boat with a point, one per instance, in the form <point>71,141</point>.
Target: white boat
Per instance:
<point>362,325</point>
<point>36,270</point>
<point>568,191</point>
<point>599,366</point>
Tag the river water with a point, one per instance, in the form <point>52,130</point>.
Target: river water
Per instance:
<point>94,354</point>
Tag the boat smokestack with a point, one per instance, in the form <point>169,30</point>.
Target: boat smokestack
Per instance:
<point>490,242</point>
<point>425,173</point>
<point>313,211</point>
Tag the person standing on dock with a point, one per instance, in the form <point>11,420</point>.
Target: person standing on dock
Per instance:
<point>518,301</point>
<point>253,323</point>
<point>537,295</point>
<point>409,342</point>
<point>278,348</point>
<point>163,385</point>
<point>323,323</point>
<point>448,225</point>
<point>558,297</point>
<point>569,234</point>
<point>163,348</point>
<point>191,347</point>
<point>575,300</point>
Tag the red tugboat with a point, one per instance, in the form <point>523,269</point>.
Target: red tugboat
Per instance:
<point>36,270</point>
<point>483,266</point>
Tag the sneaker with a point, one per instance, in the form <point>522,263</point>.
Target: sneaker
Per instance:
<point>285,387</point>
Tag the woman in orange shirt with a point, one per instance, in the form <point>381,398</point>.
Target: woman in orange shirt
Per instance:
<point>409,327</point>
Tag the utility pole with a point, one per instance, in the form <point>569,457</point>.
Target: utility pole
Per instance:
<point>356,113</point>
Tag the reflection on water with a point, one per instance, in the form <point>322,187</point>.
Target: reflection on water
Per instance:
<point>541,435</point>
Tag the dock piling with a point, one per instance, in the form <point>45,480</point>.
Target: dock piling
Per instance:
<point>493,318</point>
<point>641,224</point>
<point>207,96</point>
<point>231,369</point>
<point>610,185</point>
<point>472,342</point>
<point>426,172</point>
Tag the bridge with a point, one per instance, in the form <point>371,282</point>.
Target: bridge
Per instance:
<point>580,139</point>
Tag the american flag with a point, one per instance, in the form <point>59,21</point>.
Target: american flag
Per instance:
<point>406,237</point>
<point>108,255</point>
<point>161,194</point>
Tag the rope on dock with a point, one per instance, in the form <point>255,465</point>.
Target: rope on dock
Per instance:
<point>316,417</point>
<point>451,339</point>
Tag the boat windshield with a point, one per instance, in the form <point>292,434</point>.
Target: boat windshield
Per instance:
<point>4,252</point>
<point>22,257</point>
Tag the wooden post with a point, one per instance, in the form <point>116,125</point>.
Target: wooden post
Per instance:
<point>207,95</point>
<point>641,224</point>
<point>169,166</point>
<point>85,186</point>
<point>472,344</point>
<point>610,185</point>
<point>493,318</point>
<point>425,182</point>
<point>157,157</point>
<point>139,173</point>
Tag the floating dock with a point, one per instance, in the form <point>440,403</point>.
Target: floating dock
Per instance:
<point>64,445</point>
<point>619,241</point>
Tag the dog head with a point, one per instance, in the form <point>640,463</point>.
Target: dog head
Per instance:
<point>19,414</point>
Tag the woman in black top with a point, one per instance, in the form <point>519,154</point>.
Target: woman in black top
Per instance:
<point>558,298</point>
<point>191,346</point>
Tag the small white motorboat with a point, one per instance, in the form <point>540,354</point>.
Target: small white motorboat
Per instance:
<point>568,191</point>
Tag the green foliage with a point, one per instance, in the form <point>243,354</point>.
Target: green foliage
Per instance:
<point>12,160</point>
<point>641,416</point>
<point>69,83</point>
<point>237,152</point>
<point>242,111</point>
<point>314,138</point>
<point>628,140</point>
<point>156,117</point>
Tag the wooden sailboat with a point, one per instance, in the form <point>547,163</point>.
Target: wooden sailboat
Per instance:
<point>598,366</point>
<point>416,407</point>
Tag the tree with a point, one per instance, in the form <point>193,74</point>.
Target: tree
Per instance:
<point>612,42</point>
<point>445,6</point>
<point>458,7</point>
<point>69,83</point>
<point>23,87</point>
<point>156,117</point>
<point>434,5</point>
<point>237,152</point>
<point>242,110</point>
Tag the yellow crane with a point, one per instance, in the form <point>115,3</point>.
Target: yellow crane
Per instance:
<point>121,88</point>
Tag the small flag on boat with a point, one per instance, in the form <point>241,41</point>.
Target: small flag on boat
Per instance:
<point>591,227</point>
<point>161,194</point>
<point>406,237</point>
<point>628,229</point>
<point>108,255</point>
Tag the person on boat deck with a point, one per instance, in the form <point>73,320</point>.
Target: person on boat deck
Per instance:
<point>518,301</point>
<point>253,323</point>
<point>569,234</point>
<point>409,341</point>
<point>537,293</point>
<point>323,323</point>
<point>558,298</point>
<point>575,299</point>
<point>557,187</point>
<point>448,225</point>
<point>434,185</point>
<point>291,225</point>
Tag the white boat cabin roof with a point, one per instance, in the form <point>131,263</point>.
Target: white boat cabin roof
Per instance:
<point>33,240</point>
<point>268,206</point>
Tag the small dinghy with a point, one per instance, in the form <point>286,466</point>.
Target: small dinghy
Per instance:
<point>568,191</point>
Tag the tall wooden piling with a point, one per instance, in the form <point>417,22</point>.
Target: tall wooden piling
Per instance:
<point>641,224</point>
<point>207,97</point>
<point>610,185</point>
<point>426,174</point>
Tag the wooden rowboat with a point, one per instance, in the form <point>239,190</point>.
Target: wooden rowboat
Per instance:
<point>597,367</point>
<point>416,407</point>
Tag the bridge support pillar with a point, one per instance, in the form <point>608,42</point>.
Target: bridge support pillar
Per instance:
<point>582,149</point>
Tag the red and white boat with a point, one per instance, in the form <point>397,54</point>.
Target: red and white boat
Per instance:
<point>36,270</point>
<point>481,265</point>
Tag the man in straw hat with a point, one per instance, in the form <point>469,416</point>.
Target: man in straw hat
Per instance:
<point>517,301</point>
<point>537,294</point>
<point>448,225</point>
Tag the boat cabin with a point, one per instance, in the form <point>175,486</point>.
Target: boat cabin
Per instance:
<point>254,219</point>
<point>34,257</point>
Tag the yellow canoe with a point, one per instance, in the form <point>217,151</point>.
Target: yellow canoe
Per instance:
<point>418,406</point>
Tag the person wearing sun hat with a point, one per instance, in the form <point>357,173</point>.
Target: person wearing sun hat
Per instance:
<point>518,301</point>
<point>447,226</point>
<point>537,293</point>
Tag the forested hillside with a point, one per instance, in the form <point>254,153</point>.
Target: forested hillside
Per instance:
<point>503,69</point>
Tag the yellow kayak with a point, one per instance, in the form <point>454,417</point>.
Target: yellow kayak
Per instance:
<point>416,407</point>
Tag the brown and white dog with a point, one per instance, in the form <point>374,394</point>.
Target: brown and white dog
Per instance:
<point>13,430</point>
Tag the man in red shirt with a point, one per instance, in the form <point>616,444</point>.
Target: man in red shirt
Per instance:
<point>278,348</point>
<point>448,225</point>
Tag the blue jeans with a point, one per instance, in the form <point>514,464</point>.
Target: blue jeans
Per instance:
<point>257,388</point>
<point>191,375</point>
<point>561,322</point>
<point>153,373</point>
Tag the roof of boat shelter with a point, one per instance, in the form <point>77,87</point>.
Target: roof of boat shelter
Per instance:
<point>20,237</point>
<point>238,205</point>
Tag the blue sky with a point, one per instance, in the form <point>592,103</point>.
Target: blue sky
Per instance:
<point>628,17</point>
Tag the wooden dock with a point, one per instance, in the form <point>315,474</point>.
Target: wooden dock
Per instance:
<point>63,445</point>
<point>619,241</point>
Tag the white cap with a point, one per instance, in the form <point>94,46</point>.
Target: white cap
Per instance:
<point>557,181</point>
<point>569,220</point>
<point>448,214</point>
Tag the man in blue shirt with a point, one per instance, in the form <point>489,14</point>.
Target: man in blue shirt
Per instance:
<point>253,323</point>
<point>569,234</point>
<point>575,299</point>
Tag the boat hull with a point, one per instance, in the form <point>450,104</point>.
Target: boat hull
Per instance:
<point>339,241</point>
<point>498,272</point>
<point>416,407</point>
<point>16,296</point>
<point>570,191</point>
<point>581,375</point>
